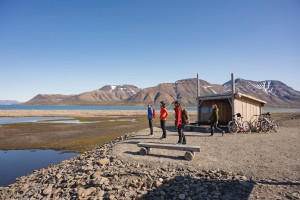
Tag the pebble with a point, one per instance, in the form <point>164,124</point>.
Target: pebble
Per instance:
<point>181,196</point>
<point>104,161</point>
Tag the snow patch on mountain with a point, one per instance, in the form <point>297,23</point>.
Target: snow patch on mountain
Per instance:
<point>112,88</point>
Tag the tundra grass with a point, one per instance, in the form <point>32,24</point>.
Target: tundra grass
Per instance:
<point>72,137</point>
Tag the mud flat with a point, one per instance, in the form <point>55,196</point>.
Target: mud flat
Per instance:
<point>69,113</point>
<point>102,126</point>
<point>78,137</point>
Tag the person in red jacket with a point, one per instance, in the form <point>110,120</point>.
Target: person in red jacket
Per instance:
<point>178,123</point>
<point>163,119</point>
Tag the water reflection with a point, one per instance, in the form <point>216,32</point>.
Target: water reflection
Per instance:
<point>74,121</point>
<point>14,120</point>
<point>17,163</point>
<point>60,120</point>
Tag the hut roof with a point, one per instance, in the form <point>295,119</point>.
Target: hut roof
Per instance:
<point>228,95</point>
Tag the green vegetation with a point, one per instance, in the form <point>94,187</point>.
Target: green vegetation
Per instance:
<point>72,137</point>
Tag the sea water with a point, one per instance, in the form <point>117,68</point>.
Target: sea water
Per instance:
<point>17,163</point>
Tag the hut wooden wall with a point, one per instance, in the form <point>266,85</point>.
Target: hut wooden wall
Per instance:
<point>247,107</point>
<point>224,111</point>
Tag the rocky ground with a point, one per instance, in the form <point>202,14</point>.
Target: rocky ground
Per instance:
<point>99,174</point>
<point>116,171</point>
<point>257,155</point>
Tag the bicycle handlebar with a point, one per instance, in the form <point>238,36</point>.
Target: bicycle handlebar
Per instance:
<point>268,113</point>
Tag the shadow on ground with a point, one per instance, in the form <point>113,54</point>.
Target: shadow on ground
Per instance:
<point>157,156</point>
<point>185,187</point>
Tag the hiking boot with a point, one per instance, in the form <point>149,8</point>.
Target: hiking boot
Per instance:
<point>179,143</point>
<point>183,142</point>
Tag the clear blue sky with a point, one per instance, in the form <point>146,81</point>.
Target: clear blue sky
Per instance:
<point>70,47</point>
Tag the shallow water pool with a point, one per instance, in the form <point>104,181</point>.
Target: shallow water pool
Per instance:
<point>17,163</point>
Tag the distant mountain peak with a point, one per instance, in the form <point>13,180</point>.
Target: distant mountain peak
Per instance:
<point>274,92</point>
<point>9,102</point>
<point>128,90</point>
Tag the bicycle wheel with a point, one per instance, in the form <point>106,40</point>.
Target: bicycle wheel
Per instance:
<point>275,126</point>
<point>258,127</point>
<point>247,127</point>
<point>232,127</point>
<point>265,126</point>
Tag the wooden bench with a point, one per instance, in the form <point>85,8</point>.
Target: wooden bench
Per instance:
<point>189,154</point>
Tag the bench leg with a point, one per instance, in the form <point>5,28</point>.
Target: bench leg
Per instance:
<point>189,155</point>
<point>144,151</point>
<point>148,150</point>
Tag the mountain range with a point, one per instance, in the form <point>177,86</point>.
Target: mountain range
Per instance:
<point>275,93</point>
<point>8,102</point>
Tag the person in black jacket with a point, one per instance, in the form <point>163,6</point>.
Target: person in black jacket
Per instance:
<point>214,119</point>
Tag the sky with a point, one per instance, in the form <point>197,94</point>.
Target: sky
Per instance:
<point>71,46</point>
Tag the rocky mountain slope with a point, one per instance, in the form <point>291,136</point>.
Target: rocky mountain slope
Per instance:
<point>185,90</point>
<point>275,93</point>
<point>107,95</point>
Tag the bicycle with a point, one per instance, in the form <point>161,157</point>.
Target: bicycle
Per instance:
<point>237,125</point>
<point>256,124</point>
<point>268,124</point>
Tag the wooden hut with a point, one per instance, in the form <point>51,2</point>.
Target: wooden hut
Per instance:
<point>241,103</point>
<point>229,105</point>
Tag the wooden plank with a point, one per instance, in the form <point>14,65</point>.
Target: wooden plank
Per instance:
<point>170,146</point>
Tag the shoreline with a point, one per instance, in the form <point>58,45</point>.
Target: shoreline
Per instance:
<point>68,113</point>
<point>80,137</point>
<point>98,113</point>
<point>75,137</point>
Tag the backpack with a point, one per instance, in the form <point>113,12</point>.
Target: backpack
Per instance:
<point>185,117</point>
<point>154,113</point>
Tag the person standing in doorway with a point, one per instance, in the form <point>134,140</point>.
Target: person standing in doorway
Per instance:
<point>150,118</point>
<point>178,123</point>
<point>163,119</point>
<point>214,119</point>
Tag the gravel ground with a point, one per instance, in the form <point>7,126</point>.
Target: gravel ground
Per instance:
<point>257,155</point>
<point>271,160</point>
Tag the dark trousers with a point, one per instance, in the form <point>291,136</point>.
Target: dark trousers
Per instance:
<point>181,135</point>
<point>163,127</point>
<point>214,125</point>
<point>151,126</point>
